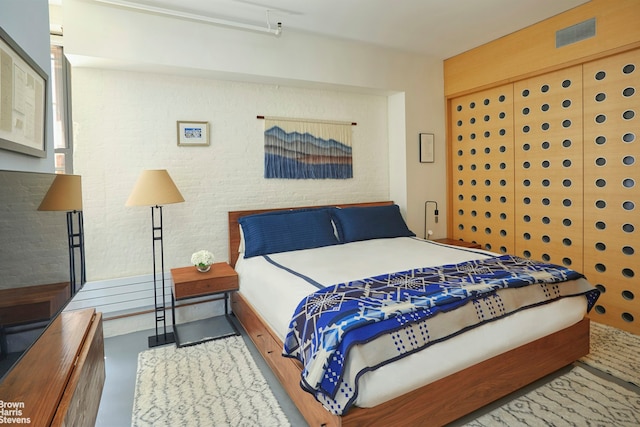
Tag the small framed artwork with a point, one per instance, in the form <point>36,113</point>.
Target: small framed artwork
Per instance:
<point>426,148</point>
<point>193,134</point>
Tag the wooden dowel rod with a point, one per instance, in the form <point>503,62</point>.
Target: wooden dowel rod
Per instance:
<point>310,120</point>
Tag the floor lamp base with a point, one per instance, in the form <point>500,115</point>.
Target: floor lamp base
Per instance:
<point>161,339</point>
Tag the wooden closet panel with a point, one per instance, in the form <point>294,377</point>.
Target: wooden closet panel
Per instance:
<point>531,50</point>
<point>482,168</point>
<point>548,167</point>
<point>612,187</point>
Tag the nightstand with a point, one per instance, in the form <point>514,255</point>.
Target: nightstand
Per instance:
<point>188,282</point>
<point>461,243</point>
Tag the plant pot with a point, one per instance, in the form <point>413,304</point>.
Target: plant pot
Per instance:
<point>203,269</point>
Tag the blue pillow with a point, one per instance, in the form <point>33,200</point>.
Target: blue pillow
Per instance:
<point>374,222</point>
<point>289,230</point>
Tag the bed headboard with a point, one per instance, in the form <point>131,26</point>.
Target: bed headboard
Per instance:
<point>234,228</point>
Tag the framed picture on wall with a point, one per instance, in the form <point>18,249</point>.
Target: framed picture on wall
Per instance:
<point>23,100</point>
<point>426,148</point>
<point>192,134</point>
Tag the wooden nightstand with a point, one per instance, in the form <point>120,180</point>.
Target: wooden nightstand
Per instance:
<point>461,243</point>
<point>190,283</point>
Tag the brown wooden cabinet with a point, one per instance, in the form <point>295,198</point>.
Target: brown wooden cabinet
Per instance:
<point>188,282</point>
<point>59,380</point>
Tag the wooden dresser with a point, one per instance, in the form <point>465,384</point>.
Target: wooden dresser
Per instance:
<point>59,380</point>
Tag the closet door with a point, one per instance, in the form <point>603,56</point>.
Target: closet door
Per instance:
<point>612,187</point>
<point>548,167</point>
<point>482,168</point>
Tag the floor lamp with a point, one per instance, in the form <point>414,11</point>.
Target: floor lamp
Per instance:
<point>156,188</point>
<point>65,194</point>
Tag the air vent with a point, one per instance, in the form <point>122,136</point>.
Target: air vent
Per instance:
<point>576,33</point>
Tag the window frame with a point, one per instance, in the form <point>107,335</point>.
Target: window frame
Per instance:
<point>61,104</point>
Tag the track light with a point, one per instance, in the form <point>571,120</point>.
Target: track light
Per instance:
<point>278,29</point>
<point>194,17</point>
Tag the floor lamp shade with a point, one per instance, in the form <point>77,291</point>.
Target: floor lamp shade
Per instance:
<point>154,187</point>
<point>65,194</point>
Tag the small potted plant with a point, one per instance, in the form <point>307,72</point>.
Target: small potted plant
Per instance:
<point>202,260</point>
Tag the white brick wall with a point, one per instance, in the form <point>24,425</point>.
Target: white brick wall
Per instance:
<point>125,122</point>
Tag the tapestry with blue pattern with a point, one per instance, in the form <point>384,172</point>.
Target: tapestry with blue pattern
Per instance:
<point>299,149</point>
<point>329,322</point>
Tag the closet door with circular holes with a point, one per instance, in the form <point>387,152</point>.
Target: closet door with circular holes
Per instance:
<point>612,187</point>
<point>548,167</point>
<point>482,168</point>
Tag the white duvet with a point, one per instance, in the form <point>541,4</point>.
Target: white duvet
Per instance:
<point>275,293</point>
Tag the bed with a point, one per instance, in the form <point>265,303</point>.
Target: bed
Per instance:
<point>457,382</point>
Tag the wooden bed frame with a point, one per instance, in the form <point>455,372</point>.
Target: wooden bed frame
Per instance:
<point>438,403</point>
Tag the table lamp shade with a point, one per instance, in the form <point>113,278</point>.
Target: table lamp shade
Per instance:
<point>65,194</point>
<point>154,188</point>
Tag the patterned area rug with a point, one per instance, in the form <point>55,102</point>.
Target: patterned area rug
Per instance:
<point>577,398</point>
<point>615,352</point>
<point>211,384</point>
<point>218,384</point>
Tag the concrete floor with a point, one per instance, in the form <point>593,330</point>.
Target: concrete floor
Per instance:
<point>121,355</point>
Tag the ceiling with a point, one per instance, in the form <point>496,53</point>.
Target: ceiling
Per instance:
<point>442,28</point>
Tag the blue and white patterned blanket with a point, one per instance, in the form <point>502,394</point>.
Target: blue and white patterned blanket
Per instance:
<point>329,322</point>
